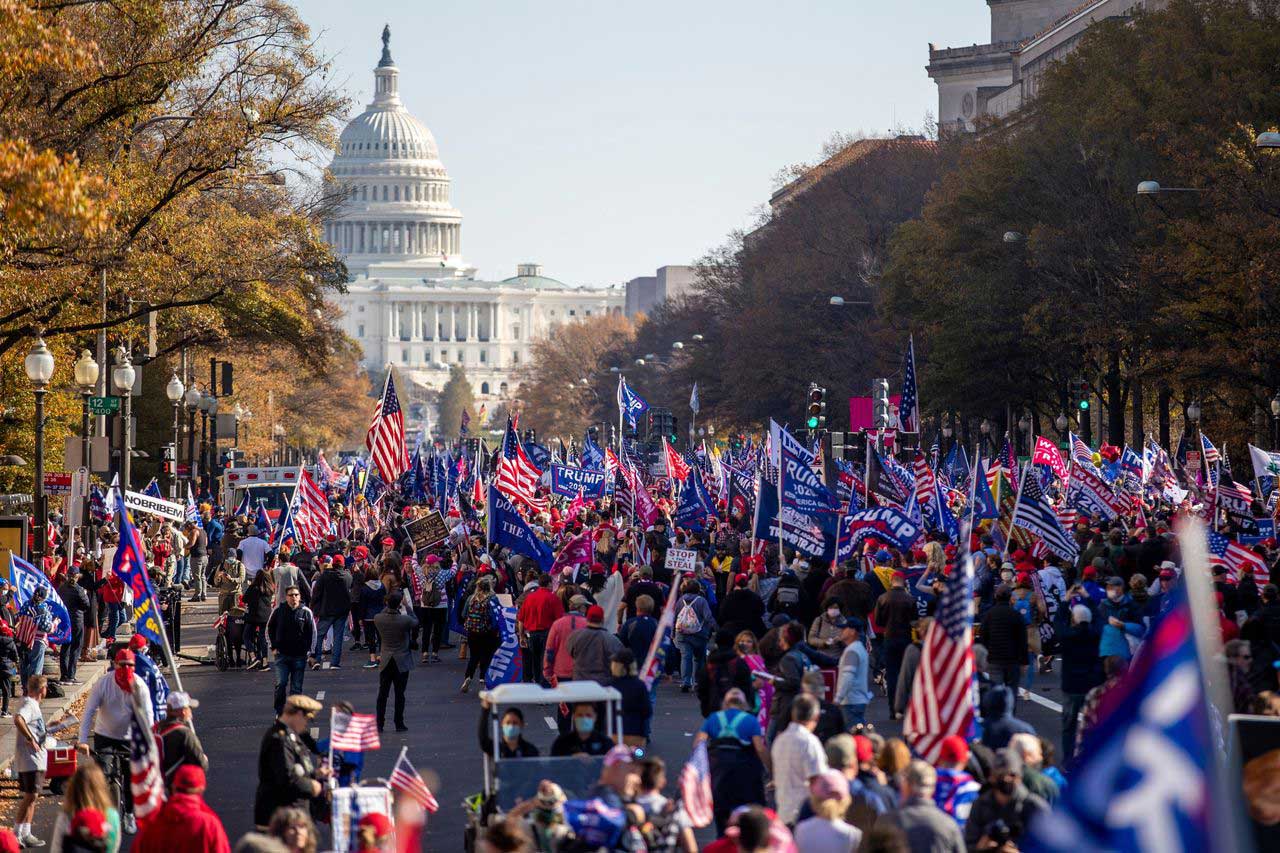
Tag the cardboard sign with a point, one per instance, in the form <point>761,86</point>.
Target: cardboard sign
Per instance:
<point>680,560</point>
<point>428,531</point>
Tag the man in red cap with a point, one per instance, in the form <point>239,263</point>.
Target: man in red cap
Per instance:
<point>109,714</point>
<point>956,788</point>
<point>592,647</point>
<point>185,822</point>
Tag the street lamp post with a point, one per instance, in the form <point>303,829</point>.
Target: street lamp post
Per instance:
<point>1061,423</point>
<point>1275,420</point>
<point>39,367</point>
<point>86,375</point>
<point>192,399</point>
<point>203,480</point>
<point>174,391</point>
<point>122,376</point>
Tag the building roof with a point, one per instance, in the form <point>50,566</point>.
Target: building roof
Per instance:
<point>851,153</point>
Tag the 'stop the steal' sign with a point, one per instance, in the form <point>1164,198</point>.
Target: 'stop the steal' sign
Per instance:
<point>680,560</point>
<point>567,480</point>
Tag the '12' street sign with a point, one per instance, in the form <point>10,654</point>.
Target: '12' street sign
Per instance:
<point>104,405</point>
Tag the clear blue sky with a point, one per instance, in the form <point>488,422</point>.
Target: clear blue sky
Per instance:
<point>605,139</point>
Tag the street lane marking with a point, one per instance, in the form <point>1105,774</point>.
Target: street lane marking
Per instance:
<point>551,722</point>
<point>320,695</point>
<point>1048,703</point>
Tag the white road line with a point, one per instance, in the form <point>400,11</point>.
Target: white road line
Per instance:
<point>320,695</point>
<point>1048,703</point>
<point>551,722</point>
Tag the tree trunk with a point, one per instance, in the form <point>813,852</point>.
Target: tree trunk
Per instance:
<point>1165,397</point>
<point>1138,424</point>
<point>1114,384</point>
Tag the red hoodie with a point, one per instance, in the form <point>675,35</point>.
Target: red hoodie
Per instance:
<point>184,823</point>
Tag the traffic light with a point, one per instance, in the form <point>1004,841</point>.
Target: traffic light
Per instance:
<point>880,402</point>
<point>816,416</point>
<point>837,445</point>
<point>1080,392</point>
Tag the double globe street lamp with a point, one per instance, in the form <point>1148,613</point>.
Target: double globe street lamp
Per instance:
<point>123,375</point>
<point>175,391</point>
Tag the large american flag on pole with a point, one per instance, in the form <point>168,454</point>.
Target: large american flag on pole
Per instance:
<point>1034,513</point>
<point>517,477</point>
<point>1233,556</point>
<point>146,782</point>
<point>942,693</point>
<point>385,438</point>
<point>909,404</point>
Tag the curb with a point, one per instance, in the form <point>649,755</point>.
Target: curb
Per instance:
<point>95,670</point>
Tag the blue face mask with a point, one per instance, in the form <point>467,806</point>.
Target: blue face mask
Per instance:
<point>584,725</point>
<point>511,731</point>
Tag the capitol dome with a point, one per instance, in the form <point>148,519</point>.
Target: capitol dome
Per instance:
<point>396,208</point>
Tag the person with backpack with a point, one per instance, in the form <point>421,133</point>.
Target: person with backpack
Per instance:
<point>483,633</point>
<point>787,599</point>
<point>433,612</point>
<point>694,626</point>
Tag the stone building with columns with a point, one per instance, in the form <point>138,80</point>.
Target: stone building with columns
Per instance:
<point>412,301</point>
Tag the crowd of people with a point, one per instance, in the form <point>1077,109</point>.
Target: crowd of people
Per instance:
<point>788,657</point>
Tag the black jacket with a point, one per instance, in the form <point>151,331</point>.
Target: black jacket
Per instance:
<point>331,594</point>
<point>257,606</point>
<point>894,613</point>
<point>523,749</point>
<point>1017,814</point>
<point>1081,666</point>
<point>292,632</point>
<point>286,766</point>
<point>1005,636</point>
<point>742,610</point>
<point>76,601</point>
<point>724,671</point>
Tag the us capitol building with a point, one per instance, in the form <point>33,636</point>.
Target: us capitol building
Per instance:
<point>412,301</point>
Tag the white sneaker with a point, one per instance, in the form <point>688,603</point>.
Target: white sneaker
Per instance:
<point>129,824</point>
<point>31,841</point>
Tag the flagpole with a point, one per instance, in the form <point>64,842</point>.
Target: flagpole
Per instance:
<point>1022,481</point>
<point>333,777</point>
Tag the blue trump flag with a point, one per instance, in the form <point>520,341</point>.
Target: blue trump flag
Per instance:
<point>695,504</point>
<point>884,523</point>
<point>130,566</point>
<point>26,578</point>
<point>1145,780</point>
<point>508,529</point>
<point>568,481</point>
<point>592,455</point>
<point>630,404</point>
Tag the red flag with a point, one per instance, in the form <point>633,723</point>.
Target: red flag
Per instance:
<point>677,468</point>
<point>1047,453</point>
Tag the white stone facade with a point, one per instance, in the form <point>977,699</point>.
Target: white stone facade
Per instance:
<point>412,301</point>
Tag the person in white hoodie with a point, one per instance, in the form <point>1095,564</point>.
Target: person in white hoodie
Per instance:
<point>1053,589</point>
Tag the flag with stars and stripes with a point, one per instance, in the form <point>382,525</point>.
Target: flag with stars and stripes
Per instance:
<point>311,519</point>
<point>408,781</point>
<point>1224,551</point>
<point>943,692</point>
<point>385,438</point>
<point>1211,454</point>
<point>517,477</point>
<point>1034,513</point>
<point>909,403</point>
<point>695,787</point>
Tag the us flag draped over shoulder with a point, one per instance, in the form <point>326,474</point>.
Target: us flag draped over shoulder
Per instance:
<point>942,693</point>
<point>385,438</point>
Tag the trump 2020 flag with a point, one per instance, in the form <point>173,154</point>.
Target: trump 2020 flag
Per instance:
<point>1144,781</point>
<point>25,579</point>
<point>130,566</point>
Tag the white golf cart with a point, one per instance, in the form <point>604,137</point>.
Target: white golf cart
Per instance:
<point>508,781</point>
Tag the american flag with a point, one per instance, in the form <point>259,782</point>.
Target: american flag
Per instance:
<point>909,403</point>
<point>326,476</point>
<point>1034,513</point>
<point>145,778</point>
<point>677,468</point>
<point>353,732</point>
<point>943,691</point>
<point>311,518</point>
<point>517,476</point>
<point>1227,552</point>
<point>695,787</point>
<point>1211,454</point>
<point>406,780</point>
<point>25,631</point>
<point>385,438</point>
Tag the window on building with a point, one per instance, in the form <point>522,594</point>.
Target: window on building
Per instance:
<point>587,312</point>
<point>515,358</point>
<point>515,332</point>
<point>397,193</point>
<point>360,331</point>
<point>364,193</point>
<point>572,313</point>
<point>461,356</point>
<point>484,386</point>
<point>404,356</point>
<point>484,356</point>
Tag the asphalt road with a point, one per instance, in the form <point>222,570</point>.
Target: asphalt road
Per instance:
<point>236,709</point>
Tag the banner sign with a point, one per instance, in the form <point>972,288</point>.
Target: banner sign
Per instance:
<point>155,506</point>
<point>567,480</point>
<point>428,531</point>
<point>887,525</point>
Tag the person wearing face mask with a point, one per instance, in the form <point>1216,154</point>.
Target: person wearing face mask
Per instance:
<point>108,715</point>
<point>583,738</point>
<point>1004,799</point>
<point>1121,621</point>
<point>511,726</point>
<point>823,632</point>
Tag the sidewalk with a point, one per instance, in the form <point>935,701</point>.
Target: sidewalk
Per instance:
<point>54,709</point>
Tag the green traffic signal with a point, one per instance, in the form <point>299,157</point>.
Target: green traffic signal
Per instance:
<point>812,422</point>
<point>1084,405</point>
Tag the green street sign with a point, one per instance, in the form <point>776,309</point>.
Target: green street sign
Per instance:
<point>104,405</point>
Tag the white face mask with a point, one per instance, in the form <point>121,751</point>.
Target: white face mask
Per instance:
<point>833,612</point>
